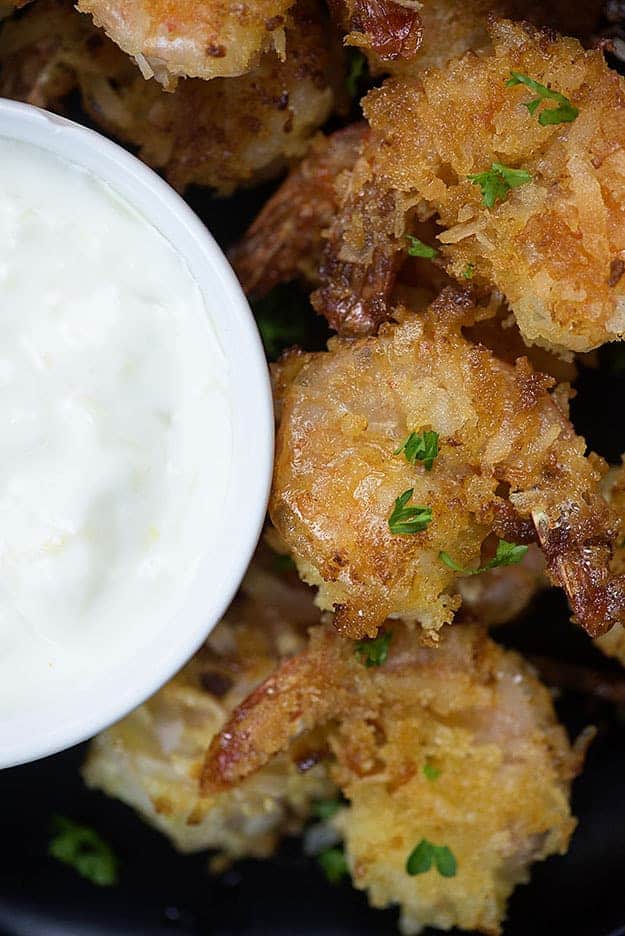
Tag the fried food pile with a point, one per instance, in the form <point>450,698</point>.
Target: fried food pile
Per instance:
<point>405,745</point>
<point>452,203</point>
<point>222,133</point>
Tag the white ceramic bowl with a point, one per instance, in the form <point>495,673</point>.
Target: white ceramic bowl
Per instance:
<point>83,710</point>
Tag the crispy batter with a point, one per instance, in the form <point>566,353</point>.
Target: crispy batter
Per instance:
<point>550,246</point>
<point>152,758</point>
<point>509,461</point>
<point>470,710</point>
<point>175,38</point>
<point>222,133</point>
<point>285,240</point>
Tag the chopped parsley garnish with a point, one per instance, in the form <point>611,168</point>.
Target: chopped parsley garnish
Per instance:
<point>283,562</point>
<point>430,772</point>
<point>374,652</point>
<point>468,271</point>
<point>506,554</point>
<point>357,71</point>
<point>565,112</point>
<point>326,808</point>
<point>84,850</point>
<point>417,248</point>
<point>333,864</point>
<point>420,446</point>
<point>425,854</point>
<point>497,181</point>
<point>406,520</point>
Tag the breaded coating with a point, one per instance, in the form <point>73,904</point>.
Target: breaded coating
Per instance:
<point>552,245</point>
<point>152,758</point>
<point>223,133</point>
<point>285,241</point>
<point>509,462</point>
<point>457,745</point>
<point>183,38</point>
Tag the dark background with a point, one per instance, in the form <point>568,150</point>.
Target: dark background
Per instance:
<point>161,892</point>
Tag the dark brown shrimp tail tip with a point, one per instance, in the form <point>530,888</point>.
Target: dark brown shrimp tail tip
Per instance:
<point>354,295</point>
<point>580,565</point>
<point>292,699</point>
<point>387,27</point>
<point>596,598</point>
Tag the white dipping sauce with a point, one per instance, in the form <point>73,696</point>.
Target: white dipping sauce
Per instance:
<point>115,439</point>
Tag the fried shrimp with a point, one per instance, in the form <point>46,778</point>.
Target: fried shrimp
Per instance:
<point>174,38</point>
<point>152,758</point>
<point>518,152</point>
<point>414,741</point>
<point>221,134</point>
<point>508,462</point>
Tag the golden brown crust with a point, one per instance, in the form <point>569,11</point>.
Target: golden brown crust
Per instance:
<point>473,712</point>
<point>509,462</point>
<point>222,133</point>
<point>550,246</point>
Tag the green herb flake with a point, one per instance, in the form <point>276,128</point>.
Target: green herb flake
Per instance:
<point>506,554</point>
<point>357,71</point>
<point>283,562</point>
<point>565,112</point>
<point>333,864</point>
<point>425,854</point>
<point>468,271</point>
<point>374,652</point>
<point>420,446</point>
<point>326,808</point>
<point>82,848</point>
<point>445,860</point>
<point>407,520</point>
<point>430,772</point>
<point>497,181</point>
<point>417,248</point>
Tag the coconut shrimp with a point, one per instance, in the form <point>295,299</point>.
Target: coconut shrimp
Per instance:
<point>379,535</point>
<point>413,741</point>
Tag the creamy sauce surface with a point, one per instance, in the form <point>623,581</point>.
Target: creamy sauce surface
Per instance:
<point>115,440</point>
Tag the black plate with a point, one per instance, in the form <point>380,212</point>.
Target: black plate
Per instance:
<point>161,892</point>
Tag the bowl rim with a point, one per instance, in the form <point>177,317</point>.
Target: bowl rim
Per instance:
<point>89,709</point>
